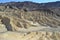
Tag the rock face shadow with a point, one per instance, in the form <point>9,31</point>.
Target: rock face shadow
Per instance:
<point>6,21</point>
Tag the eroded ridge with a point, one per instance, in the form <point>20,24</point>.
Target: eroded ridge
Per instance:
<point>24,20</point>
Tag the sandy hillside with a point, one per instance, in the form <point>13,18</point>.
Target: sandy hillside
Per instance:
<point>21,24</point>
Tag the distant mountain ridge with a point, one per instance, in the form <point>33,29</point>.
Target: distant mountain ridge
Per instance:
<point>54,6</point>
<point>32,4</point>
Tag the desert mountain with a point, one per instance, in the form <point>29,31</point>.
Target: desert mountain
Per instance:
<point>29,21</point>
<point>54,6</point>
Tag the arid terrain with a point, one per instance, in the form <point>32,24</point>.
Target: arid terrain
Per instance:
<point>32,22</point>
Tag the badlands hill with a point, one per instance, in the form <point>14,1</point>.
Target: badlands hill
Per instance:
<point>29,21</point>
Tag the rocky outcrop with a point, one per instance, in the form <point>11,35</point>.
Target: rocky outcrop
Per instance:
<point>3,28</point>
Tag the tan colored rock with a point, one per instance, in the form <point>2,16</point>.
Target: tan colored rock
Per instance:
<point>30,36</point>
<point>16,24</point>
<point>3,28</point>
